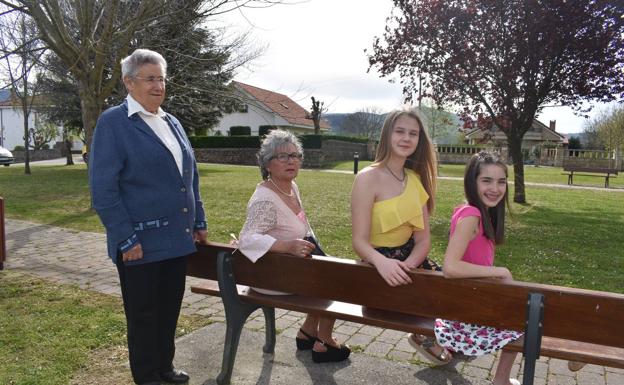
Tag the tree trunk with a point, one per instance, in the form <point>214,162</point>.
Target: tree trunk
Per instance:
<point>515,149</point>
<point>68,148</point>
<point>26,142</point>
<point>91,110</point>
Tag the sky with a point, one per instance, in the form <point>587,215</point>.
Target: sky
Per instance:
<point>316,48</point>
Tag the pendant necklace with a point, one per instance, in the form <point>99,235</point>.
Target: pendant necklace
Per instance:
<point>402,180</point>
<point>292,193</point>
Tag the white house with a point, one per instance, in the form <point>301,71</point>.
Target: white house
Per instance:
<point>12,121</point>
<point>266,108</point>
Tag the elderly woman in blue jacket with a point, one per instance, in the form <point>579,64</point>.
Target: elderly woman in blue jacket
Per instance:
<point>145,188</point>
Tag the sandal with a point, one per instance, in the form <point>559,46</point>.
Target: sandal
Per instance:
<point>418,342</point>
<point>307,343</point>
<point>332,354</point>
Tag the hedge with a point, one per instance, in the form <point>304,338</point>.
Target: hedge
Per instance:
<point>240,130</point>
<point>225,141</point>
<point>310,141</point>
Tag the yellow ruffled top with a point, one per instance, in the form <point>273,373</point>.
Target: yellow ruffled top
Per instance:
<point>394,220</point>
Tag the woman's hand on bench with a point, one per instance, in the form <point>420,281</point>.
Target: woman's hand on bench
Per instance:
<point>393,271</point>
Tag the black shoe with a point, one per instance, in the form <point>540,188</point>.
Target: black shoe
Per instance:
<point>176,376</point>
<point>305,344</point>
<point>332,354</point>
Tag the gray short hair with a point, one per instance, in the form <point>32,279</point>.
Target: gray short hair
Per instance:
<point>271,143</point>
<point>130,65</point>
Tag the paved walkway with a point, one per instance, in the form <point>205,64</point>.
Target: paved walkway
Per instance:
<point>381,356</point>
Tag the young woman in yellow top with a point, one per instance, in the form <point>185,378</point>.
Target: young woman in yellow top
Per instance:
<point>391,202</point>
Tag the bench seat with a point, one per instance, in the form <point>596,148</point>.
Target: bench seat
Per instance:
<point>550,347</point>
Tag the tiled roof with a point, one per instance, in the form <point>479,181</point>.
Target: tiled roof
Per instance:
<point>282,105</point>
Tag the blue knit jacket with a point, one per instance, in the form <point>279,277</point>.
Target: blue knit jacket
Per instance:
<point>137,189</point>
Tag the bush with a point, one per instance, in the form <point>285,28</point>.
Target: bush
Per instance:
<point>225,141</point>
<point>353,139</point>
<point>265,129</point>
<point>311,141</point>
<point>18,148</point>
<point>240,130</point>
<point>200,131</point>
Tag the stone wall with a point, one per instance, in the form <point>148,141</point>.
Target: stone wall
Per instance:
<point>336,150</point>
<point>19,156</point>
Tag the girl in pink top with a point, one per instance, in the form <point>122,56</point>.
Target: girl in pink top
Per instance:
<point>476,227</point>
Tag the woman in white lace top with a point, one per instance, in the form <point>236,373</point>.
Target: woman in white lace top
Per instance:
<point>277,223</point>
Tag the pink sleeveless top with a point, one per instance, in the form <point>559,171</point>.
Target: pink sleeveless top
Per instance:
<point>480,250</point>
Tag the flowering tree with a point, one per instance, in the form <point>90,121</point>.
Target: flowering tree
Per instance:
<point>506,59</point>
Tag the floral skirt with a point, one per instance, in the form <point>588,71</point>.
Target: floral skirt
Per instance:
<point>402,252</point>
<point>471,339</point>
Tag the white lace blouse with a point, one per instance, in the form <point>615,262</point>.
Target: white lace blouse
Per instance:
<point>270,219</point>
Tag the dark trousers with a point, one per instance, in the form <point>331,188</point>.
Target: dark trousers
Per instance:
<point>152,295</point>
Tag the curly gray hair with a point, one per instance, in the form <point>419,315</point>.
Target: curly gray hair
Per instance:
<point>271,143</point>
<point>130,64</point>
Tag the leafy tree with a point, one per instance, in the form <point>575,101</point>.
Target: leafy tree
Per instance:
<point>608,128</point>
<point>440,122</point>
<point>574,143</point>
<point>365,122</point>
<point>505,59</point>
<point>91,37</point>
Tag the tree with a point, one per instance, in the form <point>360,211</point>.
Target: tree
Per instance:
<point>608,128</point>
<point>574,143</point>
<point>440,123</point>
<point>316,114</point>
<point>365,122</point>
<point>503,60</point>
<point>21,51</point>
<point>91,37</point>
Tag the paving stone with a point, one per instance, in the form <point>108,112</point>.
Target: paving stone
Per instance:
<point>614,378</point>
<point>556,379</point>
<point>378,348</point>
<point>391,336</point>
<point>359,339</point>
<point>589,378</point>
<point>399,355</point>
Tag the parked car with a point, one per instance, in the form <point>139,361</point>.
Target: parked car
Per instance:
<point>6,158</point>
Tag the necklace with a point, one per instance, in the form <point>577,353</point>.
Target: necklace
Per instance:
<point>292,193</point>
<point>402,180</point>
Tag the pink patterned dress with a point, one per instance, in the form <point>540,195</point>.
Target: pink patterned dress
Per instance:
<point>461,337</point>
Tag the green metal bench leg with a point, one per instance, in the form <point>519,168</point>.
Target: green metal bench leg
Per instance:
<point>269,317</point>
<point>236,313</point>
<point>532,336</point>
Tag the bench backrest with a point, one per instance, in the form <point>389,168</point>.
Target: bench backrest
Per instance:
<point>605,166</point>
<point>2,233</point>
<point>575,314</point>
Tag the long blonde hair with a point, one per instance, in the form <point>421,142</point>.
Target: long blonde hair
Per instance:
<point>422,161</point>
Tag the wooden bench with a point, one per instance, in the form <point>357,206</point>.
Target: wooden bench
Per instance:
<point>559,322</point>
<point>2,235</point>
<point>605,167</point>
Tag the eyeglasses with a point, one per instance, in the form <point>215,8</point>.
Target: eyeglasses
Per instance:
<point>285,157</point>
<point>152,79</point>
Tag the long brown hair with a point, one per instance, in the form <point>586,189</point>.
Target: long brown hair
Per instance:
<point>422,161</point>
<point>493,218</point>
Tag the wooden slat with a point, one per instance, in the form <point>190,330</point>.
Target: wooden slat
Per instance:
<point>499,304</point>
<point>550,347</point>
<point>2,235</point>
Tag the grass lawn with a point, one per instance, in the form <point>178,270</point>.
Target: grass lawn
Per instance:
<point>58,334</point>
<point>532,174</point>
<point>564,237</point>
